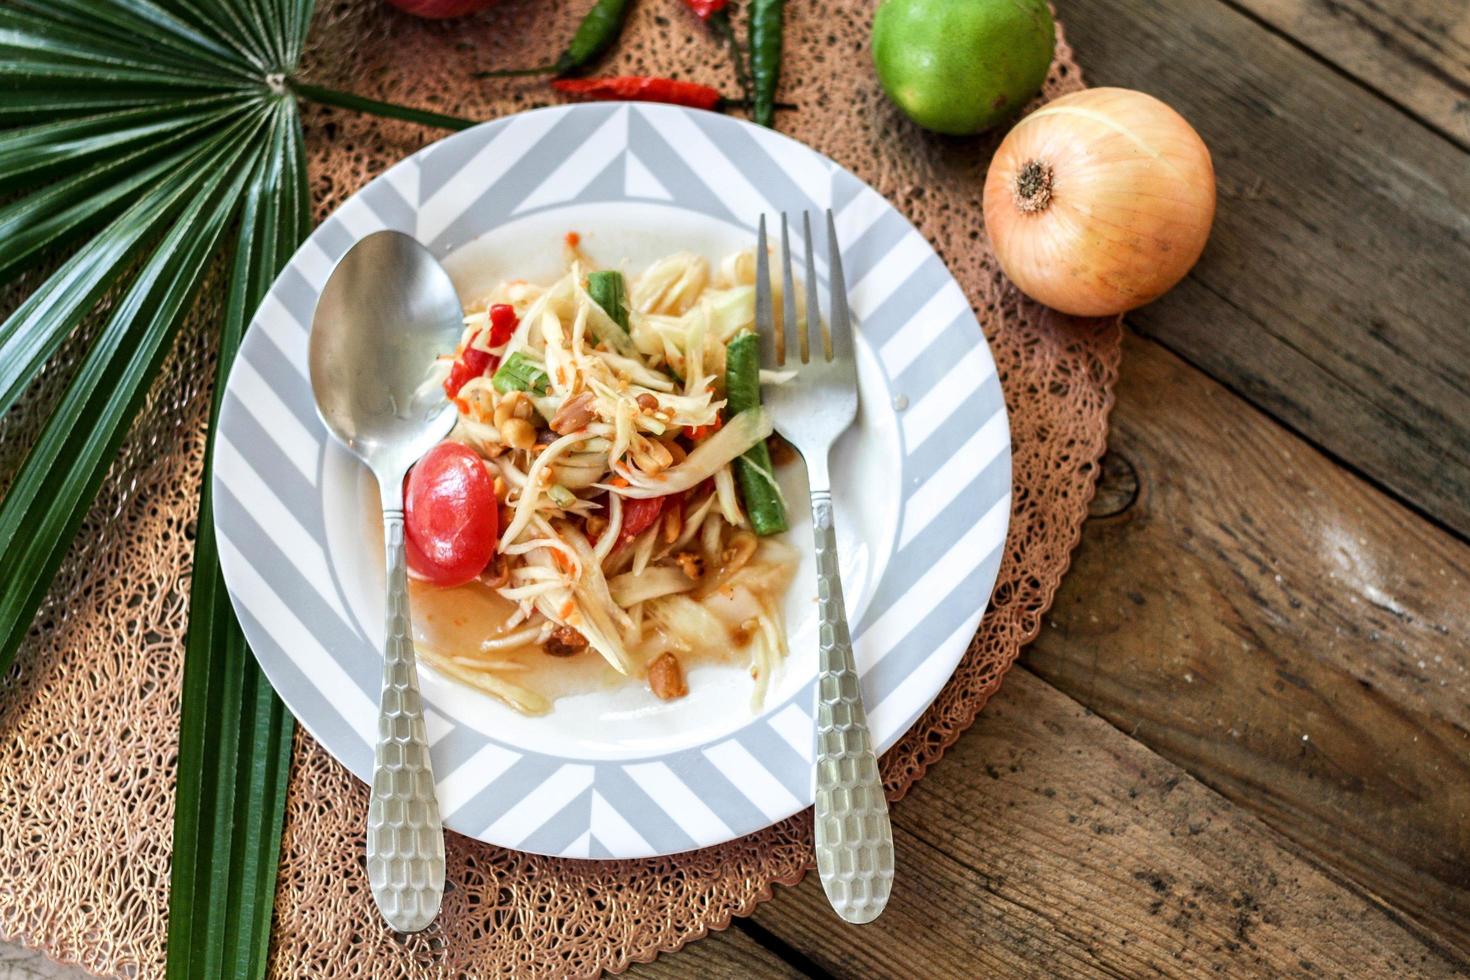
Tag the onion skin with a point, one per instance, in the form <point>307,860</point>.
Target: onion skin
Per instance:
<point>441,9</point>
<point>1100,201</point>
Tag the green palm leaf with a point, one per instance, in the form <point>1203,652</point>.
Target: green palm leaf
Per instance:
<point>153,136</point>
<point>238,778</point>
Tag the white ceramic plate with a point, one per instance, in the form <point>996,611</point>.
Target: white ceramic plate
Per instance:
<point>921,483</point>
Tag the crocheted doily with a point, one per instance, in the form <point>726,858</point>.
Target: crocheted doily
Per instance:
<point>88,717</point>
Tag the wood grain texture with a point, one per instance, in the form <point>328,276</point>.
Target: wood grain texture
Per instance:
<point>1048,843</point>
<point>1335,290</point>
<point>1415,52</point>
<point>1282,631</point>
<point>730,954</point>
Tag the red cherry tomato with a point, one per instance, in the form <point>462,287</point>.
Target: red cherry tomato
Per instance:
<point>439,9</point>
<point>639,515</point>
<point>451,517</point>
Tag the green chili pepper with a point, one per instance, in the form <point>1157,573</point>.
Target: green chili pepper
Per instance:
<point>597,32</point>
<point>753,469</point>
<point>609,292</point>
<point>765,58</point>
<point>520,373</point>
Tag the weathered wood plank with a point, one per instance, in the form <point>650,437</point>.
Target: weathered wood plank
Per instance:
<point>1048,843</point>
<point>727,955</point>
<point>1282,631</point>
<point>1416,52</point>
<point>1334,292</point>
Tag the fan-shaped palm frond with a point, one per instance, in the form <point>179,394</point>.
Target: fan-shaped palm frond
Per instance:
<point>151,137</point>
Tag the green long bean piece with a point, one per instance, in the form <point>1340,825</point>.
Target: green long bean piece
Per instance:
<point>753,469</point>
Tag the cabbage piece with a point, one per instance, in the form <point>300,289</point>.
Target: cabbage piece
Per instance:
<point>656,582</point>
<point>670,285</point>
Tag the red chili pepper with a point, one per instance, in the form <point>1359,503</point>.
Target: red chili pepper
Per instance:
<point>503,322</point>
<point>642,88</point>
<point>705,9</point>
<point>473,362</point>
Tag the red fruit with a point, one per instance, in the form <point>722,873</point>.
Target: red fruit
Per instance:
<point>639,513</point>
<point>441,9</point>
<point>451,517</point>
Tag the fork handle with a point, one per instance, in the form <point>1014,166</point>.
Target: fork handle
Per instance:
<point>405,841</point>
<point>854,840</point>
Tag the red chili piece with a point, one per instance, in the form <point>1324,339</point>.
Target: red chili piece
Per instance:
<point>473,362</point>
<point>642,88</point>
<point>705,9</point>
<point>503,321</point>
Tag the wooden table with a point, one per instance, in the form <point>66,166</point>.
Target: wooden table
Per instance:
<point>1241,745</point>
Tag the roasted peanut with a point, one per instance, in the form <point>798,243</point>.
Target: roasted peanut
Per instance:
<point>564,642</point>
<point>575,413</point>
<point>691,564</point>
<point>505,408</point>
<point>647,402</point>
<point>659,457</point>
<point>518,433</point>
<point>666,677</point>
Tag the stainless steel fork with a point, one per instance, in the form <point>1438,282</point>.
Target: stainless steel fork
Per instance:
<point>854,841</point>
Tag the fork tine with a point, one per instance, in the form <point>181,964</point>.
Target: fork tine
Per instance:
<point>765,317</point>
<point>814,327</point>
<point>839,323</point>
<point>788,296</point>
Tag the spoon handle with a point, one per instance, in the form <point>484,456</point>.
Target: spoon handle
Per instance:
<point>405,841</point>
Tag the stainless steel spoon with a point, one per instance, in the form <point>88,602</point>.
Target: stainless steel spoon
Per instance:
<point>387,311</point>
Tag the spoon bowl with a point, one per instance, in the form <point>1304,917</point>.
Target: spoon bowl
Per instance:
<point>387,311</point>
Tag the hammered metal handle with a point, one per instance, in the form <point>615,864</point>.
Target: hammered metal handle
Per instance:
<point>405,841</point>
<point>854,840</point>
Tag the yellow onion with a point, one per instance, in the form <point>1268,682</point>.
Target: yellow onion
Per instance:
<point>1099,201</point>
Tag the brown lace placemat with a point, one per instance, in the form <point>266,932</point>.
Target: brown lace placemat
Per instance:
<point>88,717</point>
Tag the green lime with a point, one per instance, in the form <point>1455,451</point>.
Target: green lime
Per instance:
<point>960,66</point>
